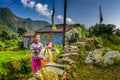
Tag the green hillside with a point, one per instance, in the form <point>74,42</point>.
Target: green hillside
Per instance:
<point>9,25</point>
<point>13,22</point>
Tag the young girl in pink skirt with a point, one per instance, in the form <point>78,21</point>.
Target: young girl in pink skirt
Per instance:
<point>36,48</point>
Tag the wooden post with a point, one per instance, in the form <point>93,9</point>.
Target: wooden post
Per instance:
<point>64,27</point>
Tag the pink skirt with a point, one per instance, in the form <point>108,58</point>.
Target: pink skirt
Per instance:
<point>36,64</point>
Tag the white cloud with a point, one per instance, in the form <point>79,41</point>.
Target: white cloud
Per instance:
<point>28,3</point>
<point>60,17</point>
<point>43,9</point>
<point>40,8</point>
<point>68,20</point>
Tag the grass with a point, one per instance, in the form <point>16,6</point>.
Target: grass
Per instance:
<point>6,56</point>
<point>82,71</point>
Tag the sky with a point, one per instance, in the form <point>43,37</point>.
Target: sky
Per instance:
<point>78,11</point>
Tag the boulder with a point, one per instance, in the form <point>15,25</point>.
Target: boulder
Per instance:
<point>57,70</point>
<point>94,56</point>
<point>110,56</point>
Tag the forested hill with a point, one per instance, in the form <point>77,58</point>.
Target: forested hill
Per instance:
<point>10,22</point>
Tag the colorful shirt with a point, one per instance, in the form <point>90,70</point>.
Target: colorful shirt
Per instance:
<point>35,47</point>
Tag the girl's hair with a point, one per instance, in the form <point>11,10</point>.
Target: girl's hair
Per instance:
<point>52,44</point>
<point>36,35</point>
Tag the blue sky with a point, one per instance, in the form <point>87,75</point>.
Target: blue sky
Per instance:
<point>78,11</point>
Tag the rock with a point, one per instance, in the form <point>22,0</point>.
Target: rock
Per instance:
<point>94,56</point>
<point>58,71</point>
<point>46,74</point>
<point>73,56</point>
<point>109,57</point>
<point>53,64</point>
<point>81,45</point>
<point>71,49</point>
<point>69,54</point>
<point>65,61</point>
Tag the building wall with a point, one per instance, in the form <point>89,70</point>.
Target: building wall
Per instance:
<point>58,38</point>
<point>54,37</point>
<point>27,41</point>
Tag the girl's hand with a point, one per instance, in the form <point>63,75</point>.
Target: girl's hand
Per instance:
<point>41,57</point>
<point>37,51</point>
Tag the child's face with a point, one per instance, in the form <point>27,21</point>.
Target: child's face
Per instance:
<point>37,38</point>
<point>50,45</point>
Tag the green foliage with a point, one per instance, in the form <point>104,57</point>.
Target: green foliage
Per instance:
<point>88,47</point>
<point>118,32</point>
<point>15,65</point>
<point>102,29</point>
<point>115,39</point>
<point>82,71</point>
<point>59,47</point>
<point>2,46</point>
<point>21,31</point>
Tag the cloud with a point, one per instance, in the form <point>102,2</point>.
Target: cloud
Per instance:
<point>40,8</point>
<point>28,3</point>
<point>43,9</point>
<point>60,17</point>
<point>68,20</point>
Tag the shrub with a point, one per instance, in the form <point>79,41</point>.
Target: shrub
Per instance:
<point>17,69</point>
<point>2,46</point>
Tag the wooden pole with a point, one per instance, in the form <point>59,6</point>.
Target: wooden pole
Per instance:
<point>64,24</point>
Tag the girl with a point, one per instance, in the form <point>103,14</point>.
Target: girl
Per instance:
<point>47,53</point>
<point>36,48</point>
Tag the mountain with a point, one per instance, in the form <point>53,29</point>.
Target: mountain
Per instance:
<point>11,22</point>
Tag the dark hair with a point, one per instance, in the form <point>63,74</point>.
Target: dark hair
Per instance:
<point>52,44</point>
<point>36,35</point>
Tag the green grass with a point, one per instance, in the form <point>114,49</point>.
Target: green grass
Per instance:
<point>6,56</point>
<point>82,71</point>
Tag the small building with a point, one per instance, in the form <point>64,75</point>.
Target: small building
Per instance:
<point>28,38</point>
<point>73,33</point>
<point>47,34</point>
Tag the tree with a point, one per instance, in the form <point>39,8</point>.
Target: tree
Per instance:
<point>5,35</point>
<point>102,29</point>
<point>21,31</point>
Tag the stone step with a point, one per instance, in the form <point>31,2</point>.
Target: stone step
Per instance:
<point>68,54</point>
<point>53,64</point>
<point>57,70</point>
<point>65,61</point>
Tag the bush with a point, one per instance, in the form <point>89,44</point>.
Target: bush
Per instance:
<point>88,47</point>
<point>115,39</point>
<point>2,46</point>
<point>16,69</point>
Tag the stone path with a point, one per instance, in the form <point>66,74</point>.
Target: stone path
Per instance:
<point>58,69</point>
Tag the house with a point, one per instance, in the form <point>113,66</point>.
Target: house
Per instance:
<point>72,34</point>
<point>28,38</point>
<point>72,31</point>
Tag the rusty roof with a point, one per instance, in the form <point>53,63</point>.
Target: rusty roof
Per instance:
<point>29,34</point>
<point>59,28</point>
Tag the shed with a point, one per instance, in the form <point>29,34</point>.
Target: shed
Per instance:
<point>28,38</point>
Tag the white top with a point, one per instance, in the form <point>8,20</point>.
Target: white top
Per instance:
<point>34,47</point>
